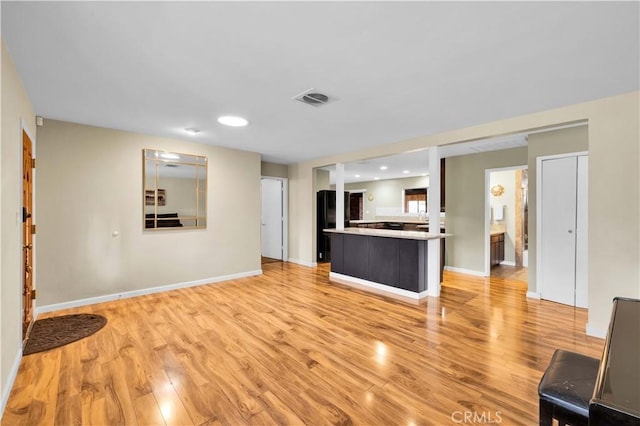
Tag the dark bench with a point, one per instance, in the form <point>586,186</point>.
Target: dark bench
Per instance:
<point>165,220</point>
<point>566,388</point>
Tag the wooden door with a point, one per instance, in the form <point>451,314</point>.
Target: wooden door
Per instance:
<point>27,234</point>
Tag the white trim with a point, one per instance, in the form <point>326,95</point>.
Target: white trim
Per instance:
<point>595,332</point>
<point>539,160</point>
<point>302,262</point>
<point>560,127</point>
<point>11,377</point>
<point>465,271</point>
<point>533,295</point>
<point>285,213</point>
<point>377,288</point>
<point>508,263</point>
<point>144,291</point>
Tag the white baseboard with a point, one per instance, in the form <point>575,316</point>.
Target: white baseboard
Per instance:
<point>11,377</point>
<point>141,292</point>
<point>533,295</point>
<point>595,332</point>
<point>302,262</point>
<point>465,271</point>
<point>377,288</point>
<point>508,263</point>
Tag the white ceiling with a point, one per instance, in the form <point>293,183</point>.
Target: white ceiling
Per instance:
<point>416,163</point>
<point>398,69</point>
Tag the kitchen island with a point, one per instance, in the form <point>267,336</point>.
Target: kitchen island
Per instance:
<point>389,262</point>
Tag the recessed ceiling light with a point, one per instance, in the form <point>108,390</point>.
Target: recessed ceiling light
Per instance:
<point>405,171</point>
<point>357,175</point>
<point>383,167</point>
<point>192,131</point>
<point>424,174</point>
<point>376,178</point>
<point>233,121</point>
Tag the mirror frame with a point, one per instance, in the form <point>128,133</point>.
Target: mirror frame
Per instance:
<point>158,157</point>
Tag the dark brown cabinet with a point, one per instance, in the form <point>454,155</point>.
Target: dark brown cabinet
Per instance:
<point>497,249</point>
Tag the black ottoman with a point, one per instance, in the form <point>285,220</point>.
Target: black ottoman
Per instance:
<point>566,388</point>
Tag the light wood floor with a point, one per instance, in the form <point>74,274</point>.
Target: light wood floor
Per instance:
<point>289,347</point>
<point>516,273</point>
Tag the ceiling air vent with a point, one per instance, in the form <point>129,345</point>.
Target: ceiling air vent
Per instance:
<point>313,97</point>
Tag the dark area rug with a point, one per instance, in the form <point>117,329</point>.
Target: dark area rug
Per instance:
<point>54,332</point>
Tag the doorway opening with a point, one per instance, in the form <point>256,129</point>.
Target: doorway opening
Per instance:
<point>274,223</point>
<point>356,206</point>
<point>507,216</point>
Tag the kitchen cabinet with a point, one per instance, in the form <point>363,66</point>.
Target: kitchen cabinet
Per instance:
<point>497,248</point>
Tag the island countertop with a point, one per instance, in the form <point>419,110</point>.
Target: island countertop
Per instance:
<point>367,221</point>
<point>390,233</point>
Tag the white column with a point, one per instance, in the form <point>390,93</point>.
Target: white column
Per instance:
<point>433,207</point>
<point>340,196</point>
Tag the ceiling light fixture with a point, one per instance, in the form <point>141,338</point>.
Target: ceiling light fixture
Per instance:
<point>376,178</point>
<point>233,121</point>
<point>357,176</point>
<point>192,131</point>
<point>406,172</point>
<point>383,167</point>
<point>169,156</point>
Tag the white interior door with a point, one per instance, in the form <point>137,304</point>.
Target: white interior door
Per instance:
<point>582,234</point>
<point>272,218</point>
<point>558,230</point>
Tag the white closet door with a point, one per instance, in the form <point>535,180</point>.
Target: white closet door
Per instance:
<point>272,218</point>
<point>582,233</point>
<point>558,230</point>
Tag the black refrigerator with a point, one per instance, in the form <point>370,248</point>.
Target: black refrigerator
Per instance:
<point>325,219</point>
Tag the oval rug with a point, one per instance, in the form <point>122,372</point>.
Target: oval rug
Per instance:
<point>54,332</point>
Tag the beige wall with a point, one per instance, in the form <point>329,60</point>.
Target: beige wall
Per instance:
<point>90,185</point>
<point>465,192</point>
<point>302,214</point>
<point>506,178</point>
<point>614,162</point>
<point>575,139</point>
<point>15,106</point>
<point>323,179</point>
<point>180,197</point>
<point>274,170</point>
<point>386,193</point>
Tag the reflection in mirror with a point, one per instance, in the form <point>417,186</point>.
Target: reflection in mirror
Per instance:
<point>175,190</point>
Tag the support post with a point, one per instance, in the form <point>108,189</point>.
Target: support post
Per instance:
<point>340,196</point>
<point>433,207</point>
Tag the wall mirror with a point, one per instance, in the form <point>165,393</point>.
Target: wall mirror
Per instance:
<point>175,190</point>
